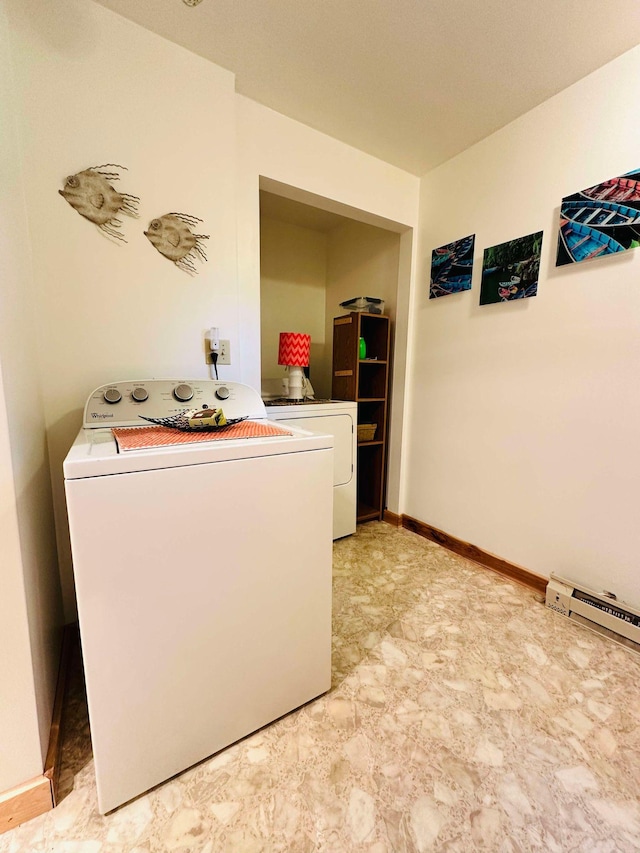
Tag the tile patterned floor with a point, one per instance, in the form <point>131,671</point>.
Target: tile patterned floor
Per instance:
<point>463,716</point>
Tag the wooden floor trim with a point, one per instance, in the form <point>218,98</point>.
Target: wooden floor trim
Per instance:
<point>38,795</point>
<point>472,552</point>
<point>392,518</point>
<point>52,760</point>
<point>24,802</point>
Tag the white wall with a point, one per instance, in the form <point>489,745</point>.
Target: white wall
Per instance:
<point>94,89</point>
<point>20,756</point>
<point>306,273</point>
<point>281,150</point>
<point>30,613</point>
<point>363,261</point>
<point>525,416</point>
<point>293,269</point>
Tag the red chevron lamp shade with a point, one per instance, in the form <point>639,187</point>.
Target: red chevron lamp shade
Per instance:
<point>294,349</point>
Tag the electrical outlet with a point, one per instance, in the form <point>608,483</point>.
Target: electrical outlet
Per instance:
<point>224,353</point>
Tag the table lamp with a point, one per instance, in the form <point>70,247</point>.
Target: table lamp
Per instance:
<point>293,352</point>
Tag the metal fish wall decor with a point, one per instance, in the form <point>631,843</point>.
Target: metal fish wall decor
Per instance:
<point>90,193</point>
<point>172,236</point>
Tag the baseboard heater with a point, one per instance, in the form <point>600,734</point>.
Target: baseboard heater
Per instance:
<point>600,611</point>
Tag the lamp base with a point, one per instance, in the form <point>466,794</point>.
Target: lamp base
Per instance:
<point>296,384</point>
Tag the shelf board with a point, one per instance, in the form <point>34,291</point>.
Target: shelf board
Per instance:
<point>370,399</point>
<point>366,513</point>
<point>372,361</point>
<point>369,443</point>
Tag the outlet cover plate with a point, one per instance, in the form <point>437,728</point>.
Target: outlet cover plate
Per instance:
<point>224,353</point>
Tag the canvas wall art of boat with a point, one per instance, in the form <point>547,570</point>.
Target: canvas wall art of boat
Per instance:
<point>601,220</point>
<point>510,270</point>
<point>582,243</point>
<point>600,214</point>
<point>615,189</point>
<point>452,267</point>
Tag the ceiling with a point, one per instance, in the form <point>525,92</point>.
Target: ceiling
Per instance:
<point>413,82</point>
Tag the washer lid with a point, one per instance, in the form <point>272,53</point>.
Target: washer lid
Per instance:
<point>95,452</point>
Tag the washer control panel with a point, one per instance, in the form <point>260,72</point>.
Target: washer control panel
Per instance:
<point>121,404</point>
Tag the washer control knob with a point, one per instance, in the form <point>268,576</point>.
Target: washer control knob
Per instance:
<point>112,395</point>
<point>140,395</point>
<point>183,393</point>
<point>222,393</point>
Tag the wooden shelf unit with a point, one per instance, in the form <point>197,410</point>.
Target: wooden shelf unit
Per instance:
<point>365,380</point>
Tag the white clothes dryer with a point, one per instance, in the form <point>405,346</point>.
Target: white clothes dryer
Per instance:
<point>339,418</point>
<point>203,580</point>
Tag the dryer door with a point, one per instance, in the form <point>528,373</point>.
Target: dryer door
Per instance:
<point>341,427</point>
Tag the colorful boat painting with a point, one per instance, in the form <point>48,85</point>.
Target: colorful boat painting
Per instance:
<point>615,189</point>
<point>510,270</point>
<point>582,243</point>
<point>608,213</point>
<point>602,214</point>
<point>452,267</point>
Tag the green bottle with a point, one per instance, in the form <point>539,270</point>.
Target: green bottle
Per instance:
<point>363,348</point>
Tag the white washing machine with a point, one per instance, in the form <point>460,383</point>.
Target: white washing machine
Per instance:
<point>339,418</point>
<point>203,580</point>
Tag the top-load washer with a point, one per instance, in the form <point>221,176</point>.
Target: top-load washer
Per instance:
<point>203,578</point>
<point>339,418</point>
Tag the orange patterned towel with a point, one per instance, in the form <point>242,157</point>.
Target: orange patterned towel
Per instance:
<point>144,438</point>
